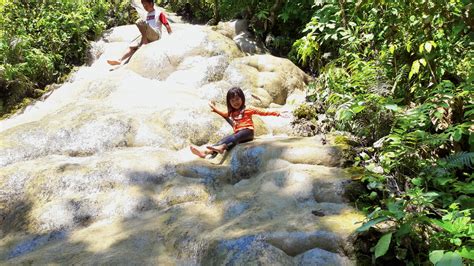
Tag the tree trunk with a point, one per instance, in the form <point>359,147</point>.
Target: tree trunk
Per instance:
<point>216,14</point>
<point>343,13</point>
<point>273,14</point>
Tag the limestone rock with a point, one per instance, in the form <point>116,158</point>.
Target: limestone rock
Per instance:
<point>100,172</point>
<point>322,257</point>
<point>247,250</point>
<point>125,33</point>
<point>248,44</point>
<point>232,28</point>
<point>157,60</point>
<point>237,30</point>
<point>272,79</point>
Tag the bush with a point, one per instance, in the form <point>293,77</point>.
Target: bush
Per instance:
<point>42,40</point>
<point>399,75</point>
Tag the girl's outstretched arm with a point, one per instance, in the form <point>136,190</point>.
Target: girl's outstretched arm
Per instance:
<point>215,109</point>
<point>256,111</point>
<point>221,113</point>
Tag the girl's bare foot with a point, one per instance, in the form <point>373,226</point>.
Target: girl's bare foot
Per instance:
<point>197,152</point>
<point>113,62</point>
<point>219,149</point>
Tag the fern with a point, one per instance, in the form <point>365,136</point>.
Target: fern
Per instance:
<point>459,160</point>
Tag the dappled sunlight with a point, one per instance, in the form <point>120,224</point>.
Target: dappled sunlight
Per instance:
<point>100,237</point>
<point>168,213</point>
<point>344,222</point>
<point>101,170</point>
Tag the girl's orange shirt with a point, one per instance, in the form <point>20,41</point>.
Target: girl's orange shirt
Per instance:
<point>243,119</point>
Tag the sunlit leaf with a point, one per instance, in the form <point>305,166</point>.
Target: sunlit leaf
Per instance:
<point>466,253</point>
<point>422,61</point>
<point>420,48</point>
<point>456,241</point>
<point>417,181</point>
<point>358,108</point>
<point>436,256</point>
<point>450,259</point>
<point>373,195</point>
<point>428,47</point>
<point>382,245</point>
<point>415,68</point>
<point>392,107</point>
<point>391,48</point>
<point>371,223</point>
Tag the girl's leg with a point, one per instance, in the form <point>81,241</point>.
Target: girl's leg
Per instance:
<point>229,142</point>
<point>219,148</point>
<point>227,139</point>
<point>199,152</point>
<point>222,144</point>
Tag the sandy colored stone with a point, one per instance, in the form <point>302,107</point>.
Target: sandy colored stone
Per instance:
<point>100,172</point>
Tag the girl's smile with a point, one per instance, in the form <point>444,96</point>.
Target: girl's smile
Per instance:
<point>236,102</point>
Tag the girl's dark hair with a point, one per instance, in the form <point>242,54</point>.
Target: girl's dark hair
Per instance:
<point>235,91</point>
<point>149,1</point>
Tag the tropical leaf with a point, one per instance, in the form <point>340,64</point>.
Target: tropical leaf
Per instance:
<point>382,245</point>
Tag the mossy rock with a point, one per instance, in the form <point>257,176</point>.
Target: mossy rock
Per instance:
<point>346,144</point>
<point>306,111</point>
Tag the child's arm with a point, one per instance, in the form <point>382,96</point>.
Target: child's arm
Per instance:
<point>263,113</point>
<point>165,22</point>
<point>168,28</point>
<point>217,110</point>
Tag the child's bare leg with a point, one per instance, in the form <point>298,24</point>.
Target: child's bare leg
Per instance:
<point>113,62</point>
<point>142,29</point>
<point>219,148</point>
<point>128,54</point>
<point>199,152</point>
<point>144,40</point>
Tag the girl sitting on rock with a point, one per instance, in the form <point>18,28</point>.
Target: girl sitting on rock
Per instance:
<point>240,119</point>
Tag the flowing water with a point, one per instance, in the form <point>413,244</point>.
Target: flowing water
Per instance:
<point>101,172</point>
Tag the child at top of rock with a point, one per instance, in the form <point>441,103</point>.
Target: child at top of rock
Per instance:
<point>150,30</point>
<point>241,120</point>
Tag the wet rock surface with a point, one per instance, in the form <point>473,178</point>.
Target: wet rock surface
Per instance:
<point>100,172</point>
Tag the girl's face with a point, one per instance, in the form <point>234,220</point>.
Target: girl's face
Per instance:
<point>236,102</point>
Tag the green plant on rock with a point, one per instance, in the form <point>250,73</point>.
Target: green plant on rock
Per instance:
<point>43,40</point>
<point>404,83</point>
<point>357,115</point>
<point>305,111</point>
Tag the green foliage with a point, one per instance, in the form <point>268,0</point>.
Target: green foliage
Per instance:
<point>43,40</point>
<point>356,115</point>
<point>382,245</point>
<point>281,19</point>
<point>399,76</point>
<point>120,12</point>
<point>193,11</point>
<point>305,111</point>
<point>413,171</point>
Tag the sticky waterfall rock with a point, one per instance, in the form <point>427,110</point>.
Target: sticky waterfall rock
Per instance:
<point>100,171</point>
